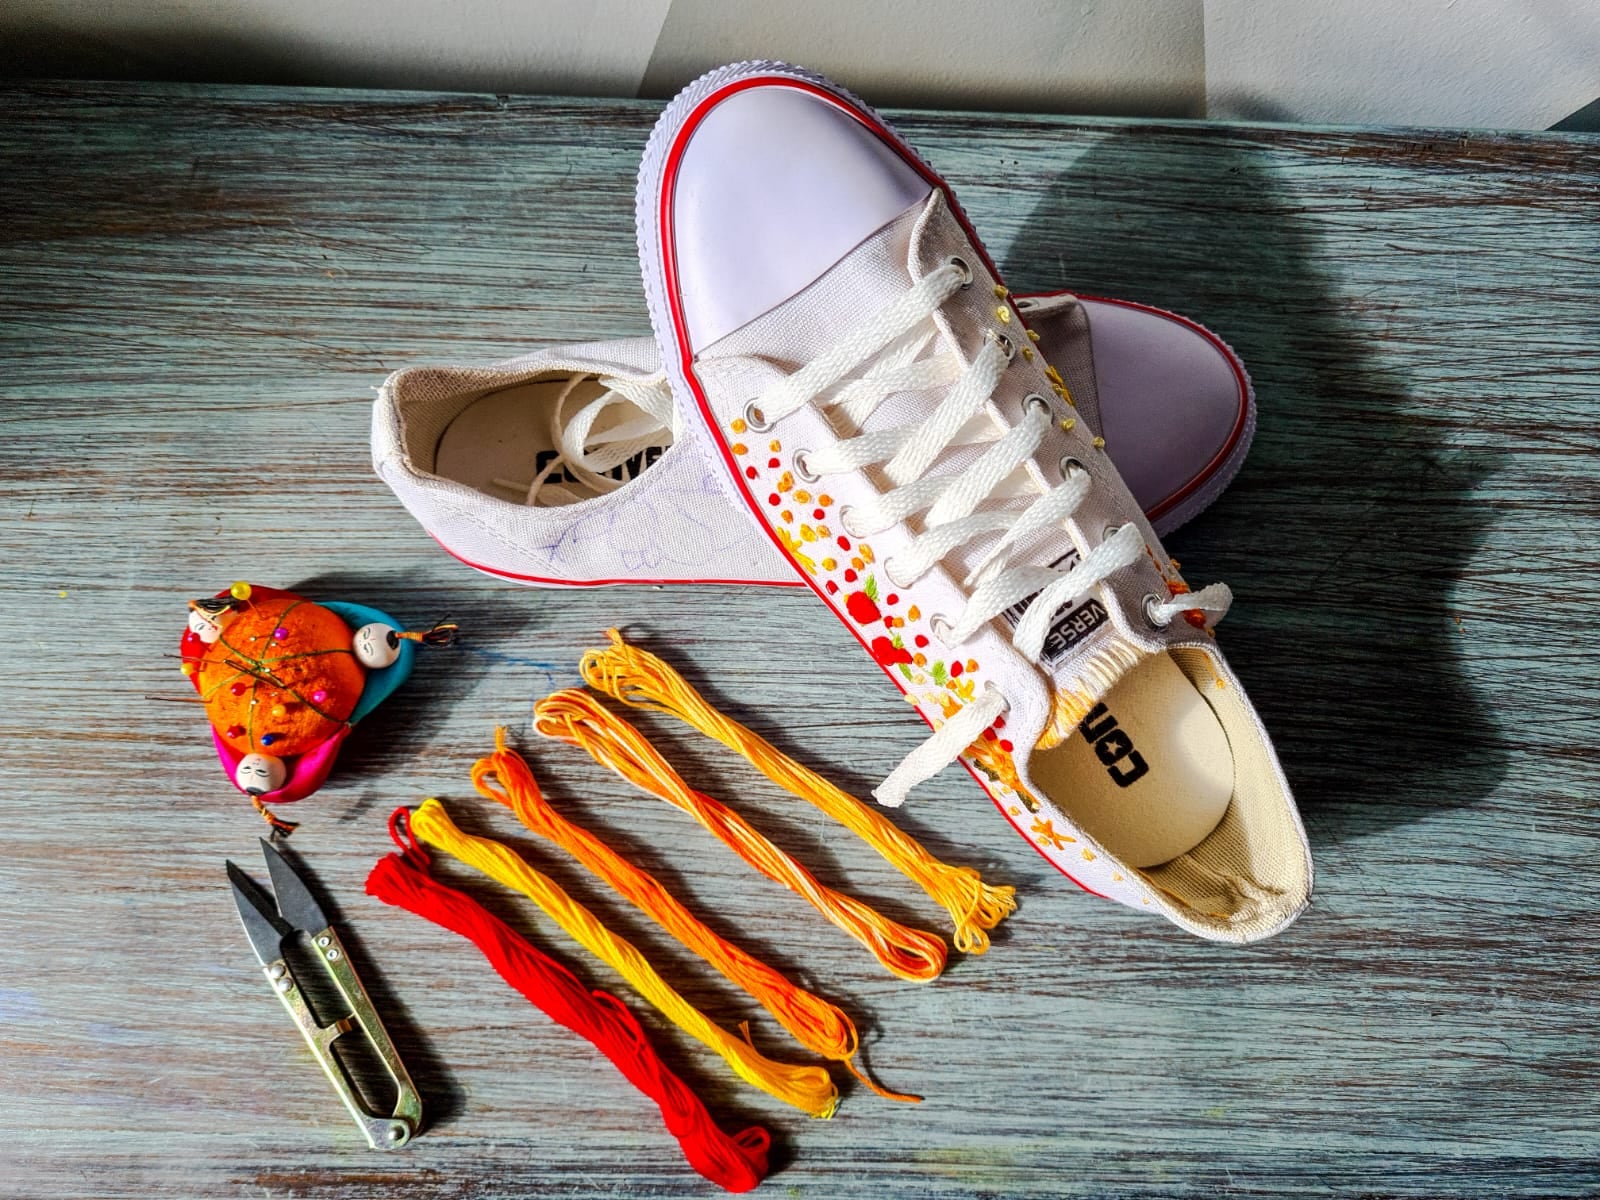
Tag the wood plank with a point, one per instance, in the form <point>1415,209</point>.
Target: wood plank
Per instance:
<point>199,290</point>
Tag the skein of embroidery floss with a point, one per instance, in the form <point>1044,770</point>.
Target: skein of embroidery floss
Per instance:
<point>736,1163</point>
<point>639,678</point>
<point>816,1024</point>
<point>808,1088</point>
<point>576,717</point>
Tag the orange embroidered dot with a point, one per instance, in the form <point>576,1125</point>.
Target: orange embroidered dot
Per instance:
<point>802,497</point>
<point>1033,335</point>
<point>740,448</point>
<point>1099,443</point>
<point>825,500</point>
<point>1027,352</point>
<point>1068,424</point>
<point>775,446</point>
<point>830,564</point>
<point>1003,314</point>
<point>738,425</point>
<point>1001,291</point>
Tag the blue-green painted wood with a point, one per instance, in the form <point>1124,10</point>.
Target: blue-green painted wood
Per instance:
<point>199,289</point>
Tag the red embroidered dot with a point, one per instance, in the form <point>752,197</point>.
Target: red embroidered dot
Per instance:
<point>239,688</point>
<point>774,463</point>
<point>955,670</point>
<point>1005,744</point>
<point>774,499</point>
<point>891,598</point>
<point>831,586</point>
<point>1000,722</point>
<point>844,543</point>
<point>921,640</point>
<point>849,575</point>
<point>235,731</point>
<point>819,513</point>
<point>988,735</point>
<point>749,472</point>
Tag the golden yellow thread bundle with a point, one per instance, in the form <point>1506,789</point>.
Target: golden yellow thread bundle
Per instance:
<point>807,1088</point>
<point>639,678</point>
<point>576,717</point>
<point>815,1023</point>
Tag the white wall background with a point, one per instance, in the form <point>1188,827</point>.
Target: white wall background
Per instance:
<point>1485,63</point>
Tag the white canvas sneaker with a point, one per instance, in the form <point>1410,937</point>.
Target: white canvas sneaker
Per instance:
<point>836,337</point>
<point>557,468</point>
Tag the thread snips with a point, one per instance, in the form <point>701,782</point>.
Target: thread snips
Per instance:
<point>272,920</point>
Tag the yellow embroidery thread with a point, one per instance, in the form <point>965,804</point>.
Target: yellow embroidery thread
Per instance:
<point>639,678</point>
<point>808,1088</point>
<point>815,1023</point>
<point>576,717</point>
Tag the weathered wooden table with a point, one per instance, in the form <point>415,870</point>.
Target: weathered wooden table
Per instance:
<point>199,290</point>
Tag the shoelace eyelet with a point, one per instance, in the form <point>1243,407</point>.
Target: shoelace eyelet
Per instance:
<point>754,418</point>
<point>1109,532</point>
<point>941,628</point>
<point>1068,463</point>
<point>1007,346</point>
<point>1151,603</point>
<point>1035,400</point>
<point>847,524</point>
<point>800,469</point>
<point>961,265</point>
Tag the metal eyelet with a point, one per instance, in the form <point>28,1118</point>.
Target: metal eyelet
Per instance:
<point>846,523</point>
<point>1035,400</point>
<point>800,470</point>
<point>961,264</point>
<point>893,577</point>
<point>1007,346</point>
<point>1109,532</point>
<point>754,418</point>
<point>941,628</point>
<point>1151,601</point>
<point>1068,463</point>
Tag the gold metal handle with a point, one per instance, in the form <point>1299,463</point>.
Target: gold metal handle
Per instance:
<point>383,1132</point>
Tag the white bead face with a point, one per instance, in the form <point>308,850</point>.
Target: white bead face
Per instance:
<point>209,629</point>
<point>377,645</point>
<point>258,774</point>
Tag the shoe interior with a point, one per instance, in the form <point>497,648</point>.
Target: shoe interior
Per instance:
<point>1172,775</point>
<point>498,441</point>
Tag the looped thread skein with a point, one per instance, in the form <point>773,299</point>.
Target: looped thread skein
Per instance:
<point>736,1163</point>
<point>815,1023</point>
<point>808,1088</point>
<point>639,678</point>
<point>576,717</point>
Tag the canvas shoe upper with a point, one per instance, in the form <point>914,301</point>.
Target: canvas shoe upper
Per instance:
<point>837,338</point>
<point>556,468</point>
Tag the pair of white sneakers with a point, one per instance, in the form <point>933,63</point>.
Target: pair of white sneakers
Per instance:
<point>843,395</point>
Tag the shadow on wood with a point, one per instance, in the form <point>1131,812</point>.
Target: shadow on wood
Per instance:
<point>1343,629</point>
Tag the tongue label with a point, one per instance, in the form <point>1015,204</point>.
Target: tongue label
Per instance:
<point>1068,629</point>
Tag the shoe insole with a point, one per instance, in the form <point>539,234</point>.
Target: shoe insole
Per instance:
<point>1149,773</point>
<point>503,438</point>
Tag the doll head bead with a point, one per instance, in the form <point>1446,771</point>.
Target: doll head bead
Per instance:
<point>258,774</point>
<point>376,645</point>
<point>240,590</point>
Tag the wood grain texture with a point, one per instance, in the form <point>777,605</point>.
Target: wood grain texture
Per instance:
<point>199,291</point>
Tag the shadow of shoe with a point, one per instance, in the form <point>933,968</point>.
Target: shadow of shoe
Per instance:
<point>1349,524</point>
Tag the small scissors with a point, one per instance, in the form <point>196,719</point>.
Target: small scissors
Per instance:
<point>269,923</point>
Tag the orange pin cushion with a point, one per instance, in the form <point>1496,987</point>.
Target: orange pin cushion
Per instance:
<point>282,678</point>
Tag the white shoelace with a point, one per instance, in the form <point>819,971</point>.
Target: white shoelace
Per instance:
<point>895,339</point>
<point>589,457</point>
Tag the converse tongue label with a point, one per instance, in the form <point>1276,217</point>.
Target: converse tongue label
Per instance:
<point>1070,628</point>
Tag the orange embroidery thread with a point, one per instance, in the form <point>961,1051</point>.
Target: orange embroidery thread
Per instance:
<point>815,1023</point>
<point>807,1088</point>
<point>576,717</point>
<point>639,678</point>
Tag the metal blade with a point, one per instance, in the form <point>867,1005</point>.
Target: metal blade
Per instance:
<point>295,900</point>
<point>265,928</point>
